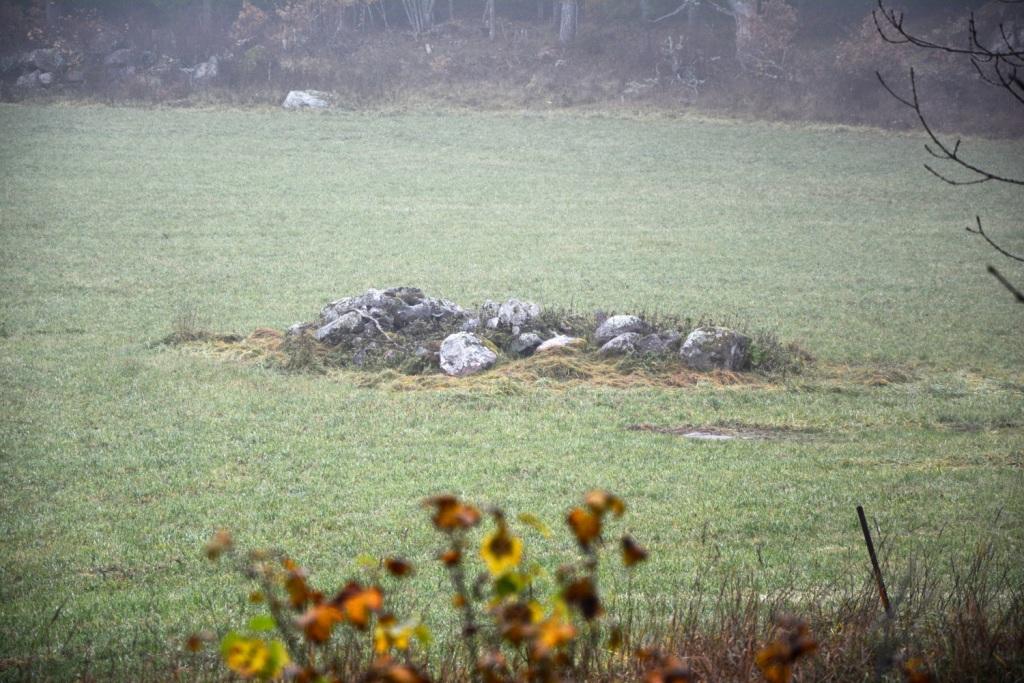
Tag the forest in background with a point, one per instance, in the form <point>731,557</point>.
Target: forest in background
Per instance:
<point>778,59</point>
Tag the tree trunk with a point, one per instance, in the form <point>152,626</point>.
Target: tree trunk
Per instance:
<point>52,10</point>
<point>205,16</point>
<point>490,19</point>
<point>645,10</point>
<point>744,12</point>
<point>567,27</point>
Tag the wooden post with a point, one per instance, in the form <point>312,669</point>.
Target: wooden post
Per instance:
<point>882,593</point>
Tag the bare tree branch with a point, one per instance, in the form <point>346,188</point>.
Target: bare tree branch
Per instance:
<point>981,231</point>
<point>1007,284</point>
<point>941,149</point>
<point>686,5</point>
<point>890,28</point>
<point>997,66</point>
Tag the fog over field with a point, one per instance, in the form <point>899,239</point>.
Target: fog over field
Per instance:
<point>422,295</point>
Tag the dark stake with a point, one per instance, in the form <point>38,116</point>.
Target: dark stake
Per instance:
<point>882,593</point>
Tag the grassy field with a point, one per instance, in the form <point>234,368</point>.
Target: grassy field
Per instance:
<point>119,457</point>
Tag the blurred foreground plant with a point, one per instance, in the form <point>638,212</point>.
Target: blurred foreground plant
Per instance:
<point>514,627</point>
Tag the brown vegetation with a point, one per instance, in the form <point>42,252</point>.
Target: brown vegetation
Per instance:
<point>517,623</point>
<point>790,60</point>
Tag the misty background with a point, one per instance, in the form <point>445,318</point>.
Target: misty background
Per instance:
<point>777,59</point>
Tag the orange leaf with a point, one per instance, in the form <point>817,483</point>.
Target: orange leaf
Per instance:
<point>582,595</point>
<point>632,552</point>
<point>450,558</point>
<point>586,526</point>
<point>359,603</point>
<point>397,566</point>
<point>318,622</point>
<point>777,658</point>
<point>451,514</point>
<point>602,501</point>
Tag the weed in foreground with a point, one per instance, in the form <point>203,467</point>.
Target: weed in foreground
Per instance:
<point>516,623</point>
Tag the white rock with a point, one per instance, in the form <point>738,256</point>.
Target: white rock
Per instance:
<point>306,99</point>
<point>707,348</point>
<point>616,325</point>
<point>346,324</point>
<point>525,344</point>
<point>515,313</point>
<point>464,354</point>
<point>621,345</point>
<point>206,72</point>
<point>559,342</point>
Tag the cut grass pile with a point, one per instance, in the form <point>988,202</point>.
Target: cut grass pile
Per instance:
<point>570,365</point>
<point>119,456</point>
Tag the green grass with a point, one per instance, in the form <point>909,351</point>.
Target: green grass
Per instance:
<point>119,458</point>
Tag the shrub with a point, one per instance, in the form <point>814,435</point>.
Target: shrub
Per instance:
<point>515,623</point>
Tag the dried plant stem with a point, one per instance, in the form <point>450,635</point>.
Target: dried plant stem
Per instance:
<point>469,624</point>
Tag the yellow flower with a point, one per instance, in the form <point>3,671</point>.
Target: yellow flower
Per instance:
<point>247,657</point>
<point>552,633</point>
<point>254,657</point>
<point>389,633</point>
<point>501,551</point>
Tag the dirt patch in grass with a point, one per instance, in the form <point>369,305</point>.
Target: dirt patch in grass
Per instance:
<point>955,423</point>
<point>878,375</point>
<point>724,432</point>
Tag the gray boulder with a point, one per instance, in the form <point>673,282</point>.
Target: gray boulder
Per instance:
<point>406,315</point>
<point>516,313</point>
<point>45,59</point>
<point>471,325</point>
<point>489,309</point>
<point>46,78</point>
<point>652,343</point>
<point>121,58</point>
<point>560,342</point>
<point>465,354</point>
<point>525,344</point>
<point>708,348</point>
<point>29,80</point>
<point>206,72</point>
<point>672,339</point>
<point>307,99</point>
<point>342,326</point>
<point>616,325</point>
<point>393,308</point>
<point>620,345</point>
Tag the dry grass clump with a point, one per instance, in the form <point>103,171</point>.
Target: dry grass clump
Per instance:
<point>568,366</point>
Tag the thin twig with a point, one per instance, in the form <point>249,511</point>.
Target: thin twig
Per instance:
<point>981,231</point>
<point>1019,295</point>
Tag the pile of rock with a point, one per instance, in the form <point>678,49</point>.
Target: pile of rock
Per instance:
<point>401,323</point>
<point>48,68</point>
